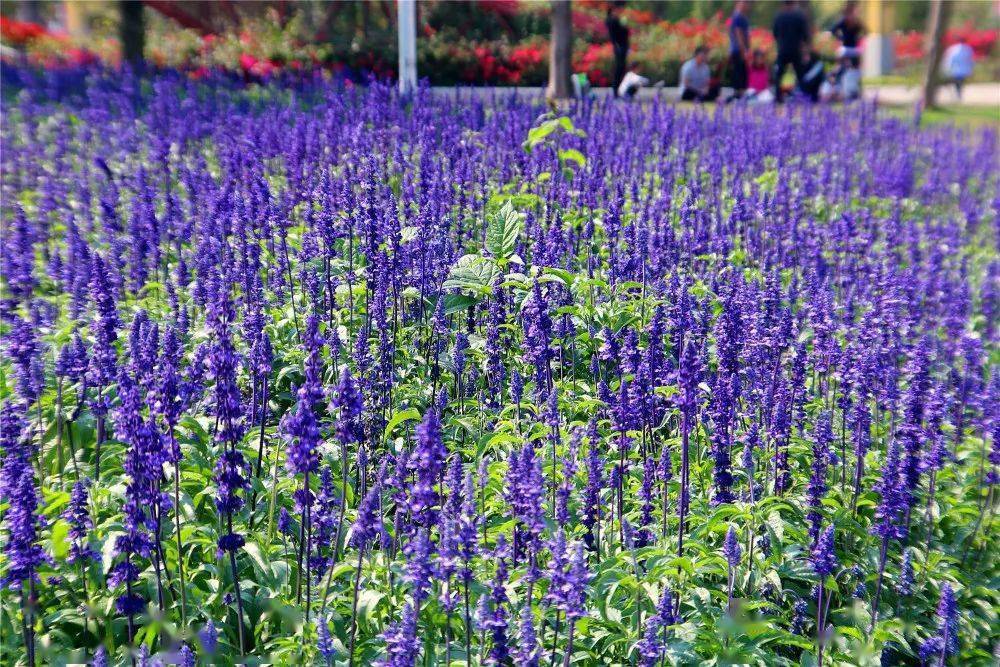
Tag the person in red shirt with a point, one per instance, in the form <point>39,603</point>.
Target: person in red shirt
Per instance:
<point>759,75</point>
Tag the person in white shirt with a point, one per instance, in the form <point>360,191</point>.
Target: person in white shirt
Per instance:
<point>696,78</point>
<point>843,84</point>
<point>631,83</point>
<point>958,64</point>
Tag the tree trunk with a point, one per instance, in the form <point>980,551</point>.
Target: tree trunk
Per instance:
<point>406,30</point>
<point>561,53</point>
<point>937,25</point>
<point>133,31</point>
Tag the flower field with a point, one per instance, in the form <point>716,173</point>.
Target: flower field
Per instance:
<point>306,374</point>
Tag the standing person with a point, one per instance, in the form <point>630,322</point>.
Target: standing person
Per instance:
<point>958,63</point>
<point>739,48</point>
<point>696,78</point>
<point>849,30</point>
<point>791,34</point>
<point>618,33</point>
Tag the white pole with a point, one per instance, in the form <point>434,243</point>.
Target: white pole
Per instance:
<point>406,13</point>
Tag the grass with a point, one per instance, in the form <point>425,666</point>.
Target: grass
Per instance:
<point>962,116</point>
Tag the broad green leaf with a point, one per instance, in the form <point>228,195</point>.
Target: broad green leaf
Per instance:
<point>572,155</point>
<point>400,417</point>
<point>474,273</point>
<point>456,303</point>
<point>503,230</point>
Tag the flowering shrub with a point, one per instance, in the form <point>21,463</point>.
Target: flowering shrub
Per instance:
<point>530,60</point>
<point>265,46</point>
<point>309,374</point>
<point>597,62</point>
<point>20,33</point>
<point>910,48</point>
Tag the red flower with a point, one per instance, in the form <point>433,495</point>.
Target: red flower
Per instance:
<point>523,57</point>
<point>20,32</point>
<point>640,16</point>
<point>247,61</point>
<point>588,25</point>
<point>909,46</point>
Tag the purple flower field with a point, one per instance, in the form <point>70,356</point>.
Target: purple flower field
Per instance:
<point>305,374</point>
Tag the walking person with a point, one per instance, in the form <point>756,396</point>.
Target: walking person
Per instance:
<point>791,34</point>
<point>739,48</point>
<point>618,32</point>
<point>958,64</point>
<point>849,30</point>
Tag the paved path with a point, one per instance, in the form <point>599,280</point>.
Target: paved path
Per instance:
<point>974,94</point>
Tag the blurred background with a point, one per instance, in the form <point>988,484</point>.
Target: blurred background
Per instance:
<point>489,42</point>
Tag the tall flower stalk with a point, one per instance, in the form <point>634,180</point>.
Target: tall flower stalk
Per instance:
<point>824,562</point>
<point>22,519</point>
<point>231,468</point>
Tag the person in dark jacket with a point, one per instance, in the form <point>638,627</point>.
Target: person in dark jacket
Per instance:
<point>618,33</point>
<point>739,48</point>
<point>812,75</point>
<point>849,30</point>
<point>791,34</point>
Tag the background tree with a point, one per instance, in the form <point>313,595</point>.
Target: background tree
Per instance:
<point>133,30</point>
<point>937,25</point>
<point>561,51</point>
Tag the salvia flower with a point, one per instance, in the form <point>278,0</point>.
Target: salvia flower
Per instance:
<point>77,514</point>
<point>823,558</point>
<point>525,653</point>
<point>427,461</point>
<point>731,548</point>
<point>402,646</point>
<point>822,439</point>
<point>209,638</point>
<point>302,432</point>
<point>186,656</point>
<point>944,643</point>
<point>800,615</point>
<point>348,402</point>
<point>651,646</point>
<point>22,519</point>
<point>324,642</point>
<point>905,587</point>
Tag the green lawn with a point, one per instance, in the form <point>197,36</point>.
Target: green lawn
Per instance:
<point>963,116</point>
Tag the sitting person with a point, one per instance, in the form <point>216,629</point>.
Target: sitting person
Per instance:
<point>843,84</point>
<point>759,77</point>
<point>631,84</point>
<point>696,78</point>
<point>812,74</point>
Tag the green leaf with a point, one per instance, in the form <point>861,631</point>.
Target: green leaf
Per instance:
<point>260,563</point>
<point>398,418</point>
<point>60,545</point>
<point>474,273</point>
<point>537,135</point>
<point>503,231</point>
<point>367,602</point>
<point>456,303</point>
<point>559,275</point>
<point>572,155</point>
